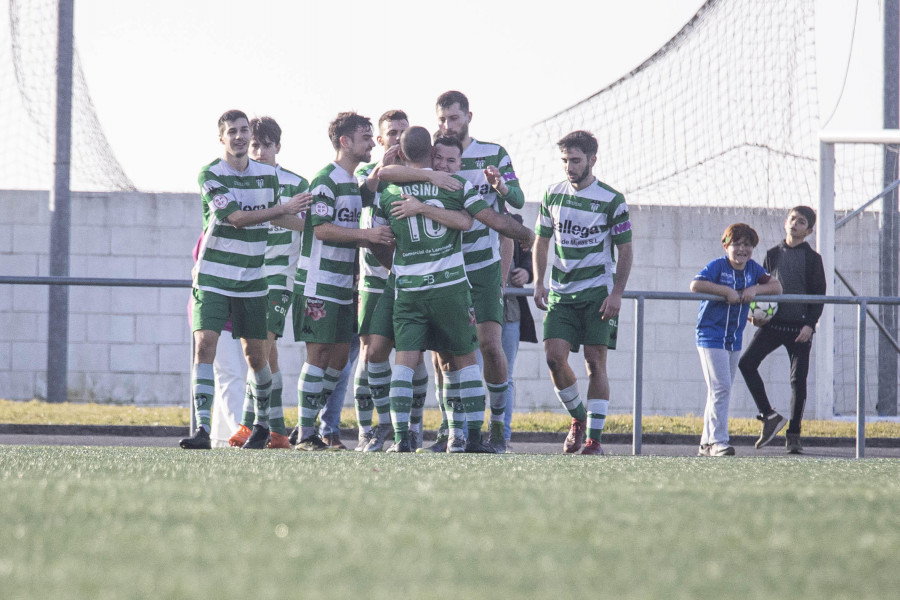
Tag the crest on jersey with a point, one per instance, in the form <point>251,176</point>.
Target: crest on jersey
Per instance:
<point>595,205</point>
<point>220,201</point>
<point>321,209</point>
<point>260,181</point>
<point>479,163</point>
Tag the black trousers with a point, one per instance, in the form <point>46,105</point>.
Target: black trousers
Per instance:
<point>765,341</point>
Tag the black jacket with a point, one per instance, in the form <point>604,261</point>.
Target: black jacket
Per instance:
<point>813,282</point>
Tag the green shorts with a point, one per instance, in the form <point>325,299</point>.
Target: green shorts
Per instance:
<point>279,303</point>
<point>323,322</point>
<point>580,323</point>
<point>487,296</point>
<point>367,303</point>
<point>248,315</point>
<point>383,316</point>
<point>444,324</point>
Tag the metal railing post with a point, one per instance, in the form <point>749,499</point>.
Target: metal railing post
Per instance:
<point>861,380</point>
<point>637,434</point>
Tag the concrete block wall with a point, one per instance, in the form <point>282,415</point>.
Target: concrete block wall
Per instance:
<point>132,345</point>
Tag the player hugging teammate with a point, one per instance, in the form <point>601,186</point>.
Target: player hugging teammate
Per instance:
<point>431,220</point>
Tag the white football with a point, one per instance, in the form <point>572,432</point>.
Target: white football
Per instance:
<point>761,311</point>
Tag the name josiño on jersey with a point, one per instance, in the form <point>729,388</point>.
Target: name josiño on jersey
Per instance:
<point>421,189</point>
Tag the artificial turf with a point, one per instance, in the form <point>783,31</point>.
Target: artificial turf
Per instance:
<point>87,522</point>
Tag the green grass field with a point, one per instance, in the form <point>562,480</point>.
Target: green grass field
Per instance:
<point>164,523</point>
<point>72,413</point>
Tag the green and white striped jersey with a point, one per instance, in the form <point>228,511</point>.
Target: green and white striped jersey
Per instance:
<point>585,225</point>
<point>428,258</point>
<point>372,275</point>
<point>481,244</point>
<point>283,245</point>
<point>230,261</point>
<point>326,268</point>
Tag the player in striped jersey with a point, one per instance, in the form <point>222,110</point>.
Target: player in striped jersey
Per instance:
<point>489,168</point>
<point>376,338</point>
<point>447,159</point>
<point>282,251</point>
<point>432,303</point>
<point>324,308</point>
<point>588,223</point>
<point>239,197</point>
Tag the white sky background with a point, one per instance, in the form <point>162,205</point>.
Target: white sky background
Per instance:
<point>160,73</point>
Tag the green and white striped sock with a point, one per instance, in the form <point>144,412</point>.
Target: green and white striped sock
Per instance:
<point>248,411</point>
<point>261,387</point>
<point>497,394</point>
<point>471,391</point>
<point>329,382</point>
<point>456,412</point>
<point>401,401</point>
<point>571,401</point>
<point>380,387</point>
<point>309,391</point>
<point>204,385</point>
<point>362,397</point>
<point>276,405</point>
<point>439,397</point>
<point>596,417</point>
<point>419,392</point>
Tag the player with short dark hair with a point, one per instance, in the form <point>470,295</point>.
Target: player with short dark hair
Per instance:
<point>589,224</point>
<point>324,307</point>
<point>240,197</point>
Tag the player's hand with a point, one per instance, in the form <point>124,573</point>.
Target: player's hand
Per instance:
<point>495,179</point>
<point>748,294</point>
<point>445,181</point>
<point>610,307</point>
<point>527,243</point>
<point>805,335</point>
<point>380,234</point>
<point>732,297</point>
<point>410,206</point>
<point>541,298</point>
<point>518,277</point>
<point>391,155</point>
<point>298,203</point>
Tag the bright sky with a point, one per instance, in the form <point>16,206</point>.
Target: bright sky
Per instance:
<point>160,73</point>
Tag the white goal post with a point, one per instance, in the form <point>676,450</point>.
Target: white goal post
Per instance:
<point>825,243</point>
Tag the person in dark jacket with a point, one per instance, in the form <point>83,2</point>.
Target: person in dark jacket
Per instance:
<point>799,269</point>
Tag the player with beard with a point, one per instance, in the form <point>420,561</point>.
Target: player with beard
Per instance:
<point>589,224</point>
<point>324,308</point>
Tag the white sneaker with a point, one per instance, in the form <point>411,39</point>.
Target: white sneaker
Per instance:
<point>721,450</point>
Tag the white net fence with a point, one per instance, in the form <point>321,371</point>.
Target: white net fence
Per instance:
<point>27,82</point>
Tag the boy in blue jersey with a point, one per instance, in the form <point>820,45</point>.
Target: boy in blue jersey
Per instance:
<point>738,279</point>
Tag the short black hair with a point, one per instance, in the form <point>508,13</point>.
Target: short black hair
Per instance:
<point>808,213</point>
<point>346,123</point>
<point>415,143</point>
<point>265,129</point>
<point>448,99</point>
<point>447,140</point>
<point>392,115</point>
<point>583,140</point>
<point>230,115</point>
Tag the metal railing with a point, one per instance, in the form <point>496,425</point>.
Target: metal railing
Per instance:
<point>639,297</point>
